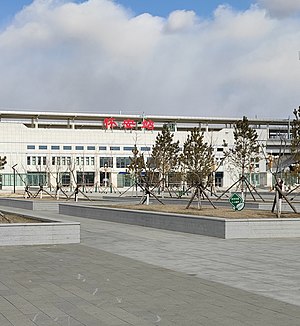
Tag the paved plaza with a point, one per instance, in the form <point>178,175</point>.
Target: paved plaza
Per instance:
<point>130,275</point>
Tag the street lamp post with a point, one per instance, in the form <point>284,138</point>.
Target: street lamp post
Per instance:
<point>14,169</point>
<point>105,175</point>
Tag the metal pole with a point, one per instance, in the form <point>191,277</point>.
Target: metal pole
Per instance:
<point>13,167</point>
<point>105,175</point>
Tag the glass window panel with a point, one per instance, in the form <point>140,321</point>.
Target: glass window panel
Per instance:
<point>114,148</point>
<point>106,162</point>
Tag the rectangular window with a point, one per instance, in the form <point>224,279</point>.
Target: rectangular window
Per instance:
<point>67,148</point>
<point>91,148</point>
<point>44,160</point>
<point>106,162</point>
<point>10,179</point>
<point>28,160</point>
<point>82,160</point>
<point>77,160</point>
<point>85,178</point>
<point>42,146</point>
<point>124,180</point>
<point>220,149</point>
<point>145,149</point>
<point>53,160</point>
<point>39,160</point>
<point>128,148</point>
<point>63,160</point>
<point>65,178</point>
<point>79,148</point>
<point>33,160</point>
<point>123,162</point>
<point>58,160</point>
<point>114,148</point>
<point>30,146</point>
<point>55,147</point>
<point>92,161</point>
<point>36,178</point>
<point>69,160</point>
<point>87,161</point>
<point>102,148</point>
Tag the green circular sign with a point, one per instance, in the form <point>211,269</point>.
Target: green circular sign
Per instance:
<point>237,202</point>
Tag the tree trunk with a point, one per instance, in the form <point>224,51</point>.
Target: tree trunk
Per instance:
<point>242,184</point>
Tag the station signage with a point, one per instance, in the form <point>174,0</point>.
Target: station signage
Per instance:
<point>128,124</point>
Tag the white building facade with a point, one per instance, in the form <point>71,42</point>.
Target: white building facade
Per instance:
<point>94,150</point>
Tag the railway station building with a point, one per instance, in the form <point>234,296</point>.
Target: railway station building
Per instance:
<point>94,150</point>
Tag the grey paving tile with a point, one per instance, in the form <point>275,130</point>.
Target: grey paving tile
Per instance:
<point>125,275</point>
<point>4,321</point>
<point>17,318</point>
<point>20,303</point>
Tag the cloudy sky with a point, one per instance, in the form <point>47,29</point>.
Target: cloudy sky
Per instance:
<point>167,57</point>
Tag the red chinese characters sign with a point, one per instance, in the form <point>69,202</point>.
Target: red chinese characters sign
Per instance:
<point>110,123</point>
<point>148,124</point>
<point>128,124</point>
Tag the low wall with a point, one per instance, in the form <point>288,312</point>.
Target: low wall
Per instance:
<point>17,203</point>
<point>33,205</point>
<point>209,226</point>
<point>45,232</point>
<point>263,228</point>
<point>175,222</point>
<point>39,233</point>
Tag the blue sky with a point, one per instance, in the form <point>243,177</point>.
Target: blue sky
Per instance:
<point>8,8</point>
<point>164,7</point>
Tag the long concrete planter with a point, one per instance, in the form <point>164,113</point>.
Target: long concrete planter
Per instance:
<point>209,226</point>
<point>33,205</point>
<point>46,232</point>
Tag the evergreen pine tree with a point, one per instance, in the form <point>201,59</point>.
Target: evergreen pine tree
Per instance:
<point>295,145</point>
<point>136,166</point>
<point>197,158</point>
<point>246,148</point>
<point>165,154</point>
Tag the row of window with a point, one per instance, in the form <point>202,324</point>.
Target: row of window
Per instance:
<point>89,148</point>
<point>36,160</point>
<point>104,162</point>
<point>82,178</point>
<point>93,148</point>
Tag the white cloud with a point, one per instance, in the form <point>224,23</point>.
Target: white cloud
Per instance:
<point>97,57</point>
<point>281,8</point>
<point>181,20</point>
